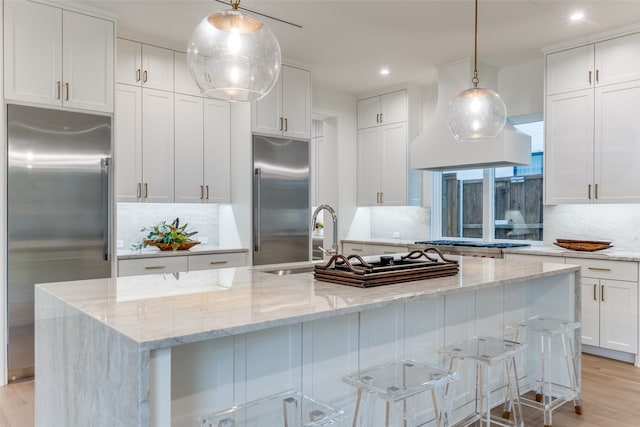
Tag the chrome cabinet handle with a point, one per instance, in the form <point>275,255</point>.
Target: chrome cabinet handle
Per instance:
<point>217,262</point>
<point>596,191</point>
<point>377,118</point>
<point>206,189</point>
<point>602,293</point>
<point>138,75</point>
<point>281,123</point>
<point>589,192</point>
<point>357,249</point>
<point>598,268</point>
<point>256,217</point>
<point>597,76</point>
<point>381,120</point>
<point>155,267</point>
<point>146,190</point>
<point>139,192</point>
<point>589,77</point>
<point>59,89</point>
<point>145,75</point>
<point>66,87</point>
<point>202,192</point>
<point>595,292</point>
<point>286,124</point>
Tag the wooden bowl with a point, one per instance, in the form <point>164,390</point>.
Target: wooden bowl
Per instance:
<point>168,247</point>
<point>582,245</point>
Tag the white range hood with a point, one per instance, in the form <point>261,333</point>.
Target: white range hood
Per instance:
<point>436,149</point>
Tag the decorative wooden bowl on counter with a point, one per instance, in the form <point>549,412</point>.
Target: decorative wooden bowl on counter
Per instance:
<point>168,246</point>
<point>583,245</point>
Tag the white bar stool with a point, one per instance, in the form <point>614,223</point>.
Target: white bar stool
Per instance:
<point>551,336</point>
<point>487,353</point>
<point>400,384</point>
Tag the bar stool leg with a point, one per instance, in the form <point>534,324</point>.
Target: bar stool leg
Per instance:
<point>572,372</point>
<point>355,414</point>
<point>546,383</point>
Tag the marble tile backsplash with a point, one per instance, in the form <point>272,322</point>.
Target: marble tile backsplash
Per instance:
<point>132,217</point>
<point>391,222</point>
<point>617,223</point>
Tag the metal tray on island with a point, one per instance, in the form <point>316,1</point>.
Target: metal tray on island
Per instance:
<point>352,270</point>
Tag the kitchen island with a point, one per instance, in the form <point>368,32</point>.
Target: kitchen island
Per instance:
<point>162,350</point>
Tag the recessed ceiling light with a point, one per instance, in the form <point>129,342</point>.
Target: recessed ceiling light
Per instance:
<point>576,16</point>
<point>384,72</point>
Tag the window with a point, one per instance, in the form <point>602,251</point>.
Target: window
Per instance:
<point>513,207</point>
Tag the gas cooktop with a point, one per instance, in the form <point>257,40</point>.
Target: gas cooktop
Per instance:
<point>472,243</point>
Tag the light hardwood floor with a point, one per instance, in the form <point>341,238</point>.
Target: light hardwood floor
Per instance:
<point>610,389</point>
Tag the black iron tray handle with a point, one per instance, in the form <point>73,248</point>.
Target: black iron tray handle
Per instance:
<point>417,254</point>
<point>344,261</point>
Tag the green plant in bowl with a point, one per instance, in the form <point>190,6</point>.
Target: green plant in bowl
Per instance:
<point>168,236</point>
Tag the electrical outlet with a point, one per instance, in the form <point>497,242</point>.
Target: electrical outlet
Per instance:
<point>203,240</point>
<point>119,243</point>
<point>396,234</point>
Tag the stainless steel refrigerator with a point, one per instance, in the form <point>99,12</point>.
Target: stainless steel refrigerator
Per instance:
<point>281,210</point>
<point>58,212</point>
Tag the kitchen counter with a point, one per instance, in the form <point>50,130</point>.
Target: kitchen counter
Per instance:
<point>391,242</point>
<point>130,350</point>
<point>611,254</point>
<point>152,252</point>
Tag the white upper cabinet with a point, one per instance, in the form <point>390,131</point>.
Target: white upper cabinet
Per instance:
<point>592,135</point>
<point>157,146</point>
<point>183,82</point>
<point>128,143</point>
<point>144,65</point>
<point>58,57</point>
<point>286,109</point>
<point>382,110</point>
<point>188,149</point>
<point>604,63</point>
<point>217,151</point>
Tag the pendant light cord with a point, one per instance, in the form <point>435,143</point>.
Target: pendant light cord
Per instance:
<point>475,79</point>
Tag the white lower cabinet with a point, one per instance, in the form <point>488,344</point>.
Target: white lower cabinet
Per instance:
<point>180,263</point>
<point>609,304</point>
<point>365,249</point>
<point>534,258</point>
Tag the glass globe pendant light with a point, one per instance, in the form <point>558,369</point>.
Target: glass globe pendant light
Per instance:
<point>233,56</point>
<point>476,113</point>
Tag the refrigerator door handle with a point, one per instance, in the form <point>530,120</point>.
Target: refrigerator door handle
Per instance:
<point>256,213</point>
<point>105,165</point>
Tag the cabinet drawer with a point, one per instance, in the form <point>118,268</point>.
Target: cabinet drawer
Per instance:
<point>534,258</point>
<point>135,267</point>
<point>388,249</point>
<point>211,261</point>
<point>603,269</point>
<point>357,249</point>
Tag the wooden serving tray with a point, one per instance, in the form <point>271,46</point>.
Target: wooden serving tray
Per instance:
<point>583,245</point>
<point>352,270</point>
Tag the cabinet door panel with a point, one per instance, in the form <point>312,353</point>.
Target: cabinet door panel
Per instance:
<point>189,172</point>
<point>129,62</point>
<point>296,102</point>
<point>618,60</point>
<point>369,143</point>
<point>393,179</point>
<point>184,83</point>
<point>87,62</point>
<point>33,52</point>
<point>266,113</point>
<point>128,143</point>
<point>393,107</point>
<point>569,148</point>
<point>217,151</point>
<point>617,143</point>
<point>157,63</point>
<point>357,249</point>
<point>157,145</point>
<point>619,315</point>
<point>368,112</point>
<point>590,311</point>
<point>568,70</point>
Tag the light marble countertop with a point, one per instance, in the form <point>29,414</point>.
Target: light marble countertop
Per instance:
<point>160,311</point>
<point>152,252</point>
<point>394,242</point>
<point>611,254</point>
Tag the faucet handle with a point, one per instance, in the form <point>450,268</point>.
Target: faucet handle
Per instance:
<point>328,252</point>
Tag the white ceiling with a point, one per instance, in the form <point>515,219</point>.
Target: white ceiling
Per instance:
<point>345,43</point>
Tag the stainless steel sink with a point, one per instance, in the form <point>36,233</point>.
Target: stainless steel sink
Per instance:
<point>292,270</point>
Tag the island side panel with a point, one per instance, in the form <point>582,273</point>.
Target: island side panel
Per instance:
<point>86,373</point>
